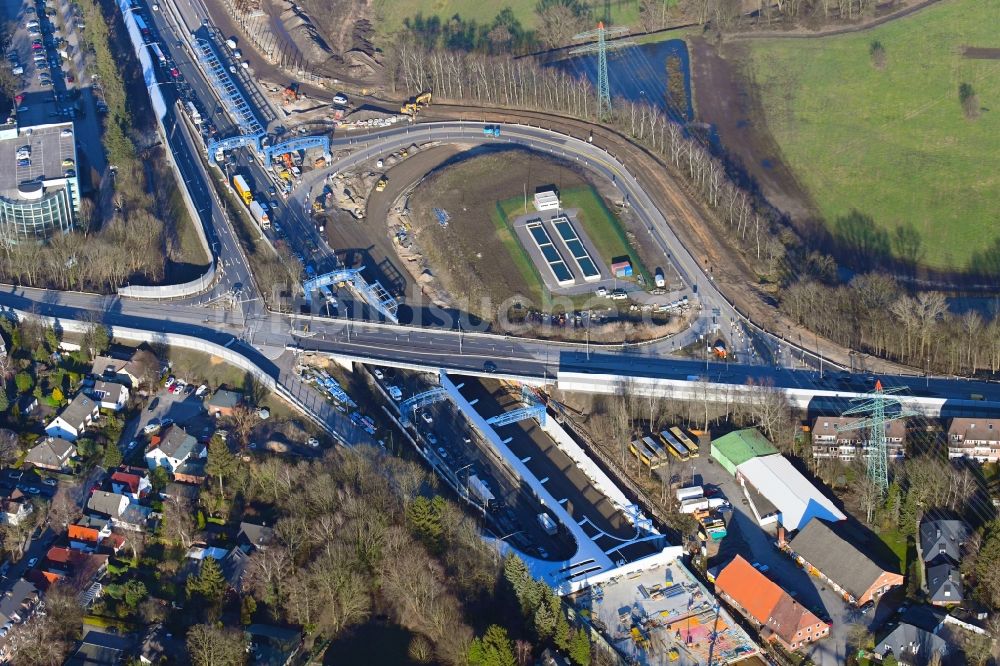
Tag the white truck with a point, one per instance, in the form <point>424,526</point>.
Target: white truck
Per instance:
<point>549,525</point>
<point>479,488</point>
<point>691,492</point>
<point>661,281</point>
<point>695,504</point>
<point>260,215</point>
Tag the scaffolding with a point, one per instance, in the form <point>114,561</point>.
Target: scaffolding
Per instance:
<point>372,293</point>
<point>533,409</point>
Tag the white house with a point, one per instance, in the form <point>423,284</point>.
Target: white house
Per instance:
<point>73,420</point>
<point>172,449</point>
<point>110,395</point>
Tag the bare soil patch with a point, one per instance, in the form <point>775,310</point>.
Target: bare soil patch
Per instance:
<point>979,53</point>
<point>725,99</point>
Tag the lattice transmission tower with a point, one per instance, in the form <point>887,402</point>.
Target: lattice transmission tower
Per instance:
<point>601,49</point>
<point>873,422</point>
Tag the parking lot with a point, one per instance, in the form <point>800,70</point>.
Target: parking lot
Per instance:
<point>56,84</point>
<point>185,409</point>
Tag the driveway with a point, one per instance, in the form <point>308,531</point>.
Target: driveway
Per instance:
<point>186,410</point>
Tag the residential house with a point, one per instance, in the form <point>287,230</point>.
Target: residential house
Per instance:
<point>779,493</point>
<point>223,402</point>
<point>172,448</point>
<point>257,536</point>
<point>61,562</point>
<point>74,419</point>
<point>910,645</point>
<point>129,371</point>
<point>161,646</point>
<point>829,441</point>
<point>941,543</point>
<point>250,538</point>
<point>975,438</point>
<point>110,395</point>
<point>53,454</point>
<point>849,571</point>
<point>26,404</point>
<point>777,615</point>
<point>135,518</point>
<point>134,483</point>
<point>15,507</point>
<point>107,504</point>
<point>100,649</point>
<point>88,533</point>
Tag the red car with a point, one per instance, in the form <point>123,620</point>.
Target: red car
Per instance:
<point>174,72</point>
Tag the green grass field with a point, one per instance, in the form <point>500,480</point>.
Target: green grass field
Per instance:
<point>894,144</point>
<point>391,13</point>
<point>603,227</point>
<point>502,218</point>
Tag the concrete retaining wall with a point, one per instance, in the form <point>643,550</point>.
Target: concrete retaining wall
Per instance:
<point>204,281</point>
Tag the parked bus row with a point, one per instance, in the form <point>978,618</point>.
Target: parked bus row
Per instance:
<point>653,450</point>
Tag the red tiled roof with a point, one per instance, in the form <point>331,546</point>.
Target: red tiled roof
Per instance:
<point>749,588</point>
<point>130,480</point>
<point>59,554</point>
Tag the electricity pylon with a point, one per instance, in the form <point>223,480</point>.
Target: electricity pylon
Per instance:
<point>601,48</point>
<point>874,422</point>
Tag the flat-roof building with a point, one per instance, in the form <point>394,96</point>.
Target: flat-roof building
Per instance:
<point>777,492</point>
<point>546,200</point>
<point>737,447</point>
<point>39,186</point>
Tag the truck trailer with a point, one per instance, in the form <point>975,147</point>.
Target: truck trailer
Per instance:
<point>260,215</point>
<point>242,189</point>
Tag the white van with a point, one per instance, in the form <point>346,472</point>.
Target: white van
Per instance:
<point>31,24</point>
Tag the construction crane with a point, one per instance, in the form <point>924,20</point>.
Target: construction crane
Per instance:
<point>873,421</point>
<point>600,47</point>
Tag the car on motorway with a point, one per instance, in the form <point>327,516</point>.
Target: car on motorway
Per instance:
<point>442,453</point>
<point>272,191</point>
<point>466,439</point>
<point>395,393</point>
<point>431,439</point>
<point>174,72</point>
<point>490,367</point>
<point>378,374</point>
<point>426,418</point>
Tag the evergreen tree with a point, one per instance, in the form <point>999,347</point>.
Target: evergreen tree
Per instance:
<point>579,649</point>
<point>134,592</point>
<point>424,516</point>
<point>209,585</point>
<point>221,462</point>
<point>200,517</point>
<point>563,634</point>
<point>545,622</point>
<point>493,649</point>
<point>247,608</point>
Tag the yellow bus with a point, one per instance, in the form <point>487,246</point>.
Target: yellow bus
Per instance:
<point>685,440</point>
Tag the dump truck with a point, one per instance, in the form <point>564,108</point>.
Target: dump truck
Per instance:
<point>260,215</point>
<point>242,189</point>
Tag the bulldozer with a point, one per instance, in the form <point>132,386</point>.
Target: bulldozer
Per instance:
<point>380,185</point>
<point>290,94</point>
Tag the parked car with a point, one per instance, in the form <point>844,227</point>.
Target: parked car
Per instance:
<point>50,482</point>
<point>32,562</point>
<point>201,390</point>
<point>151,427</point>
<point>313,442</point>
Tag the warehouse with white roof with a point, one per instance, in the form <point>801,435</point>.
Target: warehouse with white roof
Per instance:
<point>778,493</point>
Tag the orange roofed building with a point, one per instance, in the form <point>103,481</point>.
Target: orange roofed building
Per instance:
<point>777,615</point>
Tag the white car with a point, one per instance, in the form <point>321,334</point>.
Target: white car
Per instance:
<point>378,374</point>
<point>151,427</point>
<point>340,100</point>
<point>427,418</point>
<point>313,442</point>
<point>201,390</point>
<point>395,393</point>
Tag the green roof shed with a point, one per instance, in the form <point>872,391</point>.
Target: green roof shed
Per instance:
<point>740,446</point>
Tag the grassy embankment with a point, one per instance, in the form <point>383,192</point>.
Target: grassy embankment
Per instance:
<point>891,141</point>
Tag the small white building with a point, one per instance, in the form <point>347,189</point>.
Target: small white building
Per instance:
<point>172,449</point>
<point>778,493</point>
<point>110,395</point>
<point>546,200</point>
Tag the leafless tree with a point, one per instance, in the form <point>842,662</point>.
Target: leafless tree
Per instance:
<point>210,645</point>
<point>10,446</point>
<point>179,524</point>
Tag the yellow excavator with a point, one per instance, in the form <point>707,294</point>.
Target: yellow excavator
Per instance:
<point>416,103</point>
